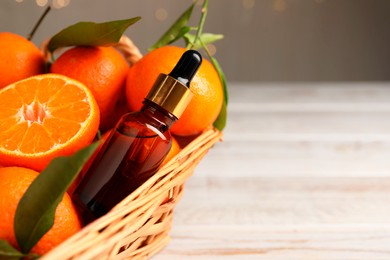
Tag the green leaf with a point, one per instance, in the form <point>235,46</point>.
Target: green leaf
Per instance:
<point>8,252</point>
<point>91,34</point>
<point>202,20</point>
<point>176,31</point>
<point>35,212</point>
<point>205,38</point>
<point>220,122</point>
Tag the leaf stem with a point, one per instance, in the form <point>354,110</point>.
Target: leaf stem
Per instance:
<point>201,23</point>
<point>38,23</point>
<point>205,48</point>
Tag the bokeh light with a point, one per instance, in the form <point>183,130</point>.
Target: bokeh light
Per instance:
<point>54,3</point>
<point>41,2</point>
<point>60,3</point>
<point>161,14</point>
<point>248,4</point>
<point>280,5</point>
<point>212,49</point>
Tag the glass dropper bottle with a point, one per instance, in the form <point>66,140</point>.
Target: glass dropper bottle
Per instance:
<point>138,144</point>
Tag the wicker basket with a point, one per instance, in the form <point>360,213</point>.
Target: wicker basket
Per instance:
<point>138,227</point>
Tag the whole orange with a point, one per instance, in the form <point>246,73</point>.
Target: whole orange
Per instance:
<point>14,182</point>
<point>103,70</point>
<point>206,86</point>
<point>19,59</point>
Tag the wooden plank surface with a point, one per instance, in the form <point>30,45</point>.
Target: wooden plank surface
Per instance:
<point>303,173</point>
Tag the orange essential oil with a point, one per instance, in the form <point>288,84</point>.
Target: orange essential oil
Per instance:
<point>138,145</point>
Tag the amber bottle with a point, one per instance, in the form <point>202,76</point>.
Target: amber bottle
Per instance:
<point>138,144</point>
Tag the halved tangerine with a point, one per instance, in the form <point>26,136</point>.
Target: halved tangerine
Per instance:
<point>43,117</point>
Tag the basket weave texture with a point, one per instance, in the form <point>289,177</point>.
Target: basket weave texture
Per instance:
<point>138,227</point>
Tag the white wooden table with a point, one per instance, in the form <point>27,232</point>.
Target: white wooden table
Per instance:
<point>303,173</point>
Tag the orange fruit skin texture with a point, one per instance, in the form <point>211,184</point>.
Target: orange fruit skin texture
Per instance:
<point>43,117</point>
<point>14,182</point>
<point>206,86</point>
<point>103,70</point>
<point>19,59</point>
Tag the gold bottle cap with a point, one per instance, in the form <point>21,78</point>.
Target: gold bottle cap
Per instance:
<point>170,94</point>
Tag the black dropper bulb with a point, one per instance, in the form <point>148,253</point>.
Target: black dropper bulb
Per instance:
<point>186,67</point>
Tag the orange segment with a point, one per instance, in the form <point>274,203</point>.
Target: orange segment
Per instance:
<point>35,140</point>
<point>43,117</point>
<point>10,99</point>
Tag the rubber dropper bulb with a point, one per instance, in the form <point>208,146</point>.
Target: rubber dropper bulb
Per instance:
<point>186,67</point>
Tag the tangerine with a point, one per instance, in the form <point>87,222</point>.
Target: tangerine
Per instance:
<point>206,86</point>
<point>14,182</point>
<point>19,59</point>
<point>43,117</point>
<point>103,70</point>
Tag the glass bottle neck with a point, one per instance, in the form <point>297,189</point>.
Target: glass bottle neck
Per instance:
<point>159,115</point>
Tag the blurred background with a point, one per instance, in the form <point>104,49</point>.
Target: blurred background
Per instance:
<point>265,40</point>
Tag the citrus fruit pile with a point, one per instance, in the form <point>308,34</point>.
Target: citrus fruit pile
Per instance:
<point>49,113</point>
